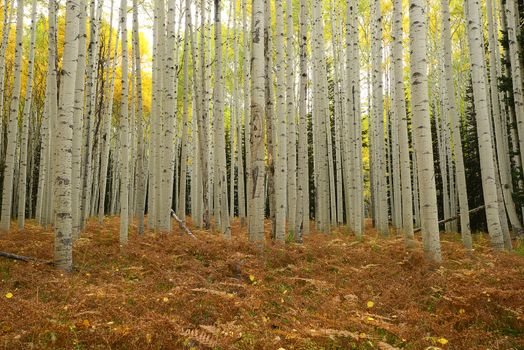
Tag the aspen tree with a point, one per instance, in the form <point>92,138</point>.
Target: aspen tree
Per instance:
<point>89,112</point>
<point>78,114</point>
<point>302,221</point>
<point>398,111</point>
<point>291,122</point>
<point>487,165</point>
<point>12,130</point>
<point>339,111</point>
<point>516,73</point>
<point>451,114</point>
<point>381,205</point>
<point>44,195</point>
<point>196,181</point>
<point>497,124</point>
<point>63,256</point>
<point>257,167</point>
<point>321,119</point>
<point>354,200</point>
<point>422,130</point>
<point>142,169</point>
<point>3,49</point>
<point>26,115</point>
<point>185,116</point>
<point>246,67</point>
<point>106,124</point>
<point>280,143</point>
<point>218,126</point>
<point>124,132</point>
<point>239,130</point>
<point>270,126</point>
<point>399,106</point>
<point>204,120</point>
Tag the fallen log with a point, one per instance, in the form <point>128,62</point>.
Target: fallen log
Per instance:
<point>25,258</point>
<point>182,225</point>
<point>472,211</point>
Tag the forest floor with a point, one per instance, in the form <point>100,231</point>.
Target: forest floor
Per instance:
<point>167,291</point>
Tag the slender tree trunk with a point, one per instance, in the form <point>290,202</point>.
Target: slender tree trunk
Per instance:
<point>64,142</point>
<point>124,132</point>
<point>26,116</point>
<point>12,131</point>
<point>141,174</point>
<point>452,115</point>
<point>422,130</point>
<point>257,167</point>
<point>106,127</point>
<point>381,204</point>
<point>487,165</point>
<point>3,49</point>
<point>302,221</point>
<point>280,143</point>
<point>218,126</point>
<point>321,120</point>
<point>399,106</point>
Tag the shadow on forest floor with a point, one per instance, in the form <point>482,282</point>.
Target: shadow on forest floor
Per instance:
<point>167,291</point>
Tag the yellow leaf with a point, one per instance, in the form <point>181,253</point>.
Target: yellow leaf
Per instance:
<point>9,295</point>
<point>149,338</point>
<point>362,335</point>
<point>165,299</point>
<point>462,311</point>
<point>86,323</point>
<point>251,278</point>
<point>370,304</point>
<point>442,341</point>
<point>370,318</point>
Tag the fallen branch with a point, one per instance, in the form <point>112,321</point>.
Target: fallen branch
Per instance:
<point>25,258</point>
<point>472,211</point>
<point>182,224</point>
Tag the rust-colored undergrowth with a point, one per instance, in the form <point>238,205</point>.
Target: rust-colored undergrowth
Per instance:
<point>167,291</point>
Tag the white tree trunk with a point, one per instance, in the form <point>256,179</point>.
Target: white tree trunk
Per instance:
<point>451,113</point>
<point>480,97</point>
<point>422,130</point>
<point>257,167</point>
<point>380,182</point>
<point>142,169</point>
<point>63,256</point>
<point>280,144</point>
<point>302,220</point>
<point>218,126</point>
<point>124,132</point>
<point>12,130</point>
<point>26,116</point>
<point>399,109</point>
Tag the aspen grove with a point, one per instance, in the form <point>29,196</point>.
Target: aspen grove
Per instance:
<point>172,115</point>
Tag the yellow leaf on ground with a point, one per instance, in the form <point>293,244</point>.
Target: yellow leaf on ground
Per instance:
<point>9,295</point>
<point>370,304</point>
<point>442,341</point>
<point>251,278</point>
<point>86,323</point>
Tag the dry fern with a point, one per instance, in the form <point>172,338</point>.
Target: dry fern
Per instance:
<point>200,337</point>
<point>333,333</point>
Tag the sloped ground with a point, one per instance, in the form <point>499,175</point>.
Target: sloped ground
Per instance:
<point>333,292</point>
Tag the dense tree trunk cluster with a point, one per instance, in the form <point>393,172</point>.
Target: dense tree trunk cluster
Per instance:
<point>300,112</point>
